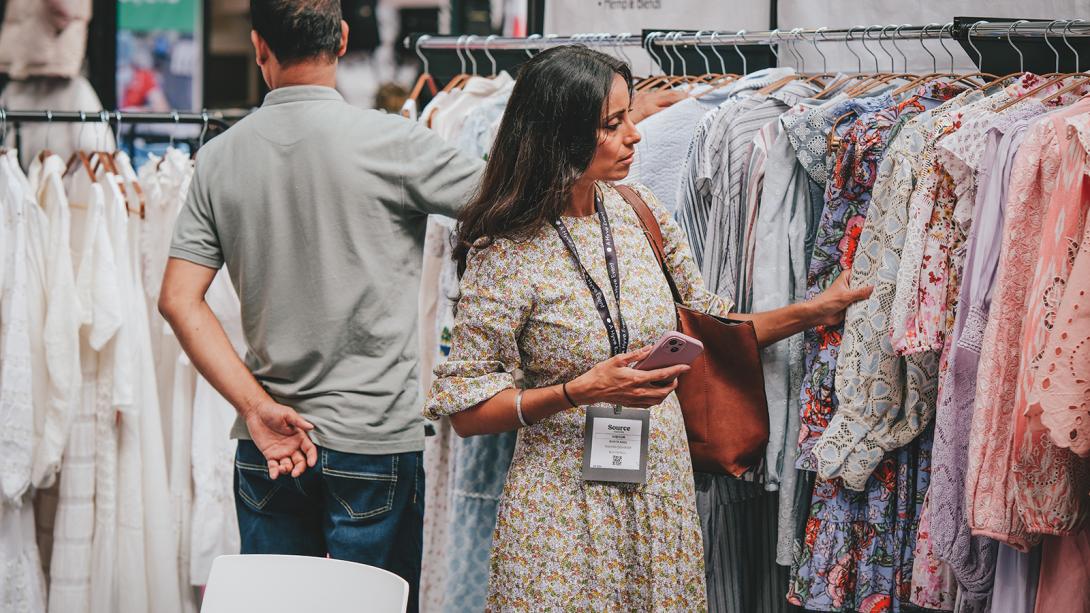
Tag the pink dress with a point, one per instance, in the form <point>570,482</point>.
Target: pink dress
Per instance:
<point>1052,482</point>
<point>1063,386</point>
<point>989,489</point>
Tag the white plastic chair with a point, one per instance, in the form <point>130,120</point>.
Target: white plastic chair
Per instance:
<point>301,584</point>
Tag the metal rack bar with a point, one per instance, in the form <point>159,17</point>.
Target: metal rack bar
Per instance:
<point>37,116</point>
<point>1036,29</point>
<point>1052,28</point>
<point>426,42</point>
<point>772,37</point>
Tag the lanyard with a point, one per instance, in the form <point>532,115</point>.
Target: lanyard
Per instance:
<point>618,341</point>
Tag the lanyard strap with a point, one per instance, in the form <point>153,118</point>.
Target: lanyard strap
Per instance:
<point>618,334</point>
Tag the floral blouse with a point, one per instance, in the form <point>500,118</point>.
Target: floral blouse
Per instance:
<point>884,402</point>
<point>560,542</point>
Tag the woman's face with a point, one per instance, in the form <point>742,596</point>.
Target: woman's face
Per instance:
<point>617,137</point>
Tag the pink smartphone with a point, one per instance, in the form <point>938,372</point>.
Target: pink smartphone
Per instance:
<point>672,349</point>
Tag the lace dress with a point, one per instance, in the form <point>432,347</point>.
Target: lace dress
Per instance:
<point>847,197</point>
<point>560,542</point>
<point>989,487</point>
<point>1051,483</point>
<point>885,400</point>
<point>22,586</point>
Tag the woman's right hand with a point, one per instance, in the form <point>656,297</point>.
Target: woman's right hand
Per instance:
<point>613,381</point>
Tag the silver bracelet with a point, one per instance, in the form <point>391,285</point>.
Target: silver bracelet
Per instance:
<point>518,409</point>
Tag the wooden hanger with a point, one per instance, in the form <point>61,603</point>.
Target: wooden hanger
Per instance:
<point>425,78</point>
<point>1031,94</point>
<point>1070,88</point>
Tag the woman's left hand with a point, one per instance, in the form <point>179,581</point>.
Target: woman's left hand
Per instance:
<point>831,304</point>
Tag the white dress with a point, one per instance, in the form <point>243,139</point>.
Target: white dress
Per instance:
<point>154,531</point>
<point>22,586</point>
<point>100,317</point>
<point>58,370</point>
<point>215,524</point>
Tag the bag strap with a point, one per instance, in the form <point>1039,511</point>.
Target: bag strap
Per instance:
<point>652,231</point>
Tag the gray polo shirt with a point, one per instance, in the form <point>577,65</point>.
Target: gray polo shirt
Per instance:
<point>319,209</point>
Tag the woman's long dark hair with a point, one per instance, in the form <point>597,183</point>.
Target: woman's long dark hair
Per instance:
<point>546,141</point>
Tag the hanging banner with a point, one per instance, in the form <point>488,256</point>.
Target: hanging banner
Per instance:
<point>618,16</point>
<point>159,52</point>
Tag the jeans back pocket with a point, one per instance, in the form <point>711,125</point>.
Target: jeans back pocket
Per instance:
<point>254,485</point>
<point>364,485</point>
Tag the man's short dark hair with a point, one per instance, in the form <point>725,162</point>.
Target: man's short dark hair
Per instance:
<point>298,30</point>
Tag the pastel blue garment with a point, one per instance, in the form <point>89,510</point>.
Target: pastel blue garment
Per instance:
<point>665,142</point>
<point>478,464</point>
<point>1016,577</point>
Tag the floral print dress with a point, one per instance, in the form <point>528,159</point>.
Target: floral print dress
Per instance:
<point>562,543</point>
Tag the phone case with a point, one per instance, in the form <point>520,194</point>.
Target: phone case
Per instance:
<point>672,349</point>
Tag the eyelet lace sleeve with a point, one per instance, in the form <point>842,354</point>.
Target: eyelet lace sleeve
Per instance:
<point>1063,391</point>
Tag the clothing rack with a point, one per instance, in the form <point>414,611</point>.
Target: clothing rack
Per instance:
<point>207,120</point>
<point>996,45</point>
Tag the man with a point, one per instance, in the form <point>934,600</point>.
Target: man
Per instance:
<point>318,209</point>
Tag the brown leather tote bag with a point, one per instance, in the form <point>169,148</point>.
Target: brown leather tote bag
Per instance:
<point>723,396</point>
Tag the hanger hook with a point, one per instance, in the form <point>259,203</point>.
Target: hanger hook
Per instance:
<point>715,50</point>
<point>458,52</point>
<point>621,40</point>
<point>488,54</point>
<point>774,37</point>
<point>796,36</point>
<point>666,51</point>
<point>529,38</point>
<point>650,46</point>
<point>1021,58</point>
<point>969,38</point>
<point>48,127</point>
<point>881,37</point>
<point>117,137</point>
<point>173,113</point>
<point>204,127</point>
<point>82,124</point>
<point>942,41</point>
<point>472,60</point>
<point>104,118</point>
<point>897,35</point>
<point>707,65</point>
<point>934,60</point>
<point>866,33</point>
<point>1071,22</point>
<point>858,58</point>
<point>1048,30</point>
<point>745,65</point>
<point>420,54</point>
<point>824,62</point>
<point>685,64</point>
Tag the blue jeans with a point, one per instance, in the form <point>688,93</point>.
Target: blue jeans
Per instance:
<point>361,508</point>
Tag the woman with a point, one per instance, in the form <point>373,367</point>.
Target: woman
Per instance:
<point>545,199</point>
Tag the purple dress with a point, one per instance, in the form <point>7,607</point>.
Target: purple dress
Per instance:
<point>972,559</point>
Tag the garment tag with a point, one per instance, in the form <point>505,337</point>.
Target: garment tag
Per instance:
<point>615,444</point>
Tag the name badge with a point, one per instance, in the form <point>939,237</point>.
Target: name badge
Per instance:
<point>615,444</point>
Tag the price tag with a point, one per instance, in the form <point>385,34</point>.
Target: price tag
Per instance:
<point>615,444</point>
